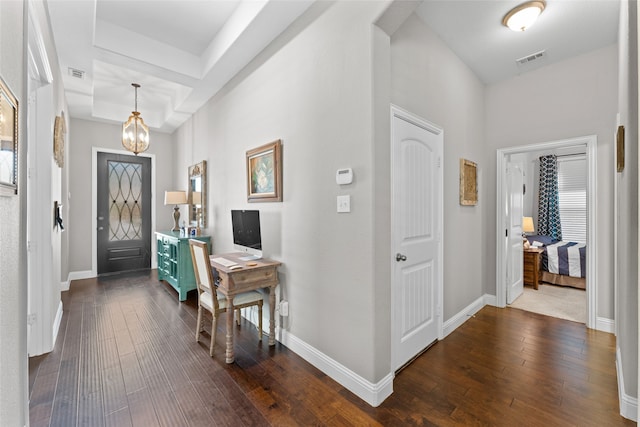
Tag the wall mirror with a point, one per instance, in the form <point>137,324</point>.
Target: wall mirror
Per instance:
<point>8,141</point>
<point>198,194</point>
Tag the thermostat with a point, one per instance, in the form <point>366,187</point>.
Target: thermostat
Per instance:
<point>344,176</point>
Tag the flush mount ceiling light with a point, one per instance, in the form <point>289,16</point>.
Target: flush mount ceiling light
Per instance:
<point>523,16</point>
<point>135,134</point>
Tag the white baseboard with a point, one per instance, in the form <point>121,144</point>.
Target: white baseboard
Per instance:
<point>78,275</point>
<point>490,300</point>
<point>64,286</point>
<point>605,325</point>
<point>56,325</point>
<point>628,404</point>
<point>372,393</point>
<point>458,319</point>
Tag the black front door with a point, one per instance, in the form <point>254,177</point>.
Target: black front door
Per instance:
<point>124,212</point>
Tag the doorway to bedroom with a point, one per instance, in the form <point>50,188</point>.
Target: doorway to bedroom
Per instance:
<point>551,261</point>
<point>554,212</point>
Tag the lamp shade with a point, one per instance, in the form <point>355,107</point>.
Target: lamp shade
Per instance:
<point>527,224</point>
<point>196,197</point>
<point>175,197</point>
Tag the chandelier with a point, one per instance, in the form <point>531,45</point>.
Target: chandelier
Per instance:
<point>135,134</point>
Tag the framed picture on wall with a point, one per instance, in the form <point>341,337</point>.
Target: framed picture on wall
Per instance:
<point>59,132</point>
<point>620,149</point>
<point>264,173</point>
<point>468,183</point>
<point>8,141</point>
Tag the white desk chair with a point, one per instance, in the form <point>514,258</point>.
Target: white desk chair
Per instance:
<point>210,299</point>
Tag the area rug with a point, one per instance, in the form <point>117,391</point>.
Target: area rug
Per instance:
<point>557,301</point>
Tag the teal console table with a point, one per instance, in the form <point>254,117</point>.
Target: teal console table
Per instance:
<point>174,261</point>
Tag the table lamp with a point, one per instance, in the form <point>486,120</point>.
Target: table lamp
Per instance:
<point>175,198</point>
<point>527,224</point>
<point>196,197</point>
<point>527,227</point>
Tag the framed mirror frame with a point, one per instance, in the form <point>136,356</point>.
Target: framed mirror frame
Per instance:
<point>8,141</point>
<point>198,193</point>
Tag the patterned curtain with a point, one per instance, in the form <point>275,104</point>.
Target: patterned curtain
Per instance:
<point>548,205</point>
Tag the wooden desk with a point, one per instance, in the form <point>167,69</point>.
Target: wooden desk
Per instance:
<point>249,278</point>
<point>531,266</point>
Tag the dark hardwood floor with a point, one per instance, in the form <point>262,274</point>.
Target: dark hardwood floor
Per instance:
<point>126,356</point>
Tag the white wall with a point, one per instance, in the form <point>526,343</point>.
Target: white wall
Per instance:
<point>13,289</point>
<point>627,202</point>
<point>576,97</point>
<point>429,80</point>
<point>312,89</point>
<point>83,136</point>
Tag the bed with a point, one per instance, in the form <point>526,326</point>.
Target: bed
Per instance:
<point>563,263</point>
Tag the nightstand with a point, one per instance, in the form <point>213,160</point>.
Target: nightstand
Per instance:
<point>531,269</point>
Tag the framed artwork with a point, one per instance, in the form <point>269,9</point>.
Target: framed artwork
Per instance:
<point>468,183</point>
<point>8,141</point>
<point>59,132</point>
<point>264,173</point>
<point>620,149</point>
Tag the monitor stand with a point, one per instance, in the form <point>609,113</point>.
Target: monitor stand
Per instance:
<point>249,258</point>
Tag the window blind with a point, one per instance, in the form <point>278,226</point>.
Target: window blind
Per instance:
<point>572,194</point>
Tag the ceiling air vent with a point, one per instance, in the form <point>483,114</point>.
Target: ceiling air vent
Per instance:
<point>78,74</point>
<point>526,60</point>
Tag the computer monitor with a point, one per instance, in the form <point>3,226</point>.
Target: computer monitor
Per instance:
<point>246,233</point>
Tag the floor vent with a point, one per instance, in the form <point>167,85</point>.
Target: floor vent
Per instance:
<point>78,74</point>
<point>526,60</point>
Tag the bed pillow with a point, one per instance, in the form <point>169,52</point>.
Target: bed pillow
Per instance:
<point>541,241</point>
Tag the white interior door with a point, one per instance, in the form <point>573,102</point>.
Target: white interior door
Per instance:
<point>514,208</point>
<point>417,230</point>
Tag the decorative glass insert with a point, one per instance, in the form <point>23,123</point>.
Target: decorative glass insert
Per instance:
<point>125,199</point>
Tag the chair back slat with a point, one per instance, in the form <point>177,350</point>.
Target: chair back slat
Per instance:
<point>202,269</point>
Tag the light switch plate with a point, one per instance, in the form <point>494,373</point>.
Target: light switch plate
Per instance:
<point>344,204</point>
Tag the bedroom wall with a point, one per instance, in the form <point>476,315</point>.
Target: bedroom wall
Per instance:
<point>311,88</point>
<point>83,136</point>
<point>575,97</point>
<point>429,80</point>
<point>13,273</point>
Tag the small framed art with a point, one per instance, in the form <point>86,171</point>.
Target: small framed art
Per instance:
<point>468,183</point>
<point>264,173</point>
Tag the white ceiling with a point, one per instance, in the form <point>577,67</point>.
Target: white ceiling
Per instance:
<point>473,30</point>
<point>182,52</point>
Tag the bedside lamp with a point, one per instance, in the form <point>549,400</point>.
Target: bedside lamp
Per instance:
<point>175,198</point>
<point>527,227</point>
<point>527,224</point>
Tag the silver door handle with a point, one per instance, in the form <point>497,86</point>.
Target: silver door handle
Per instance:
<point>400,257</point>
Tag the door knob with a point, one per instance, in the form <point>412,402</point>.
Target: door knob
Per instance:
<point>400,257</point>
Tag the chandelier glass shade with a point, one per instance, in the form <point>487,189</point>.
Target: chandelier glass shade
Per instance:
<point>135,134</point>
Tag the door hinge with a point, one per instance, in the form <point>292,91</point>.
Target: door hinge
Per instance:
<point>506,232</point>
<point>31,319</point>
